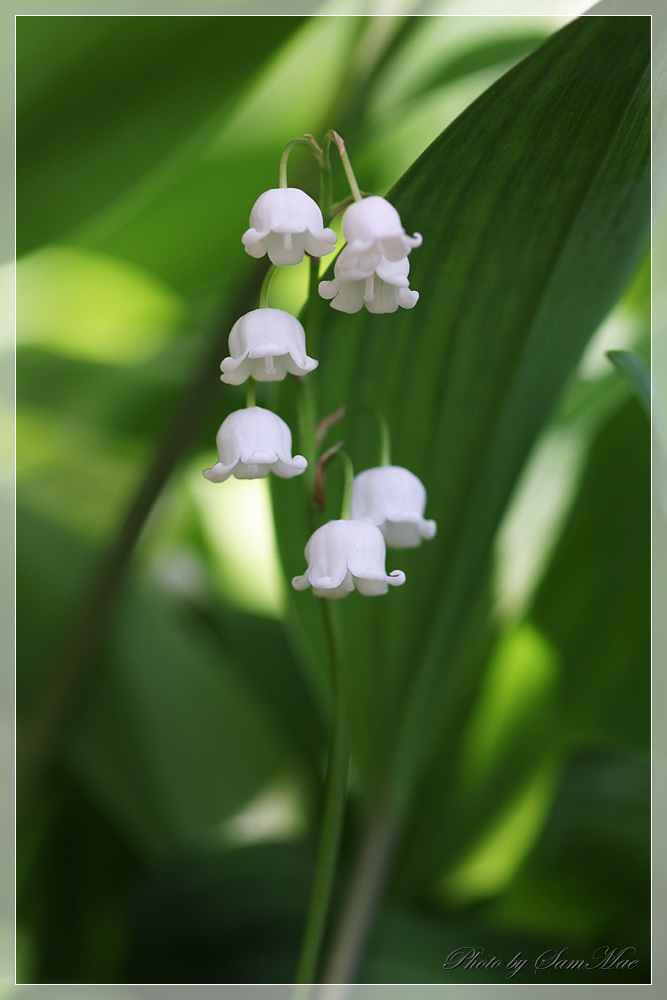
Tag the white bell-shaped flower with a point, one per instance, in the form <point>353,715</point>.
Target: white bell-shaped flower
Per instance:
<point>266,344</point>
<point>285,223</point>
<point>394,499</point>
<point>373,229</point>
<point>382,291</point>
<point>344,555</point>
<point>253,442</point>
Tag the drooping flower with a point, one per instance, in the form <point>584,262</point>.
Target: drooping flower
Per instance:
<point>373,229</point>
<point>253,442</point>
<point>266,344</point>
<point>382,291</point>
<point>394,499</point>
<point>344,555</point>
<point>285,223</point>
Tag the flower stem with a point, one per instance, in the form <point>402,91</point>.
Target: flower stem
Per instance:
<point>339,754</point>
<point>383,426</point>
<point>250,392</point>
<point>266,284</point>
<point>326,182</point>
<point>346,505</point>
<point>334,806</point>
<point>333,136</point>
<point>309,144</point>
<point>360,904</point>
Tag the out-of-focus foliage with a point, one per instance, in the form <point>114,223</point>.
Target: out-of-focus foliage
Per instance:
<point>499,700</point>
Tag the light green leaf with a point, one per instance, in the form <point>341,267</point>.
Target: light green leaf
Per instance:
<point>93,306</point>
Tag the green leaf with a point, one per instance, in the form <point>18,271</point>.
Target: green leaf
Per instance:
<point>87,392</point>
<point>234,917</point>
<point>630,365</point>
<point>181,218</point>
<point>593,605</point>
<point>484,798</point>
<point>133,90</point>
<point>80,862</point>
<point>483,55</point>
<point>89,305</point>
<point>588,879</point>
<point>177,727</point>
<point>534,207</point>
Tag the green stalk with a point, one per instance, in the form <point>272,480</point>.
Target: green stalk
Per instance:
<point>346,505</point>
<point>309,143</point>
<point>250,392</point>
<point>333,136</point>
<point>339,755</point>
<point>266,284</point>
<point>332,820</point>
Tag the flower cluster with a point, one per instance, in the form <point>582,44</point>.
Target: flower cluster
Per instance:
<point>265,345</point>
<point>372,269</point>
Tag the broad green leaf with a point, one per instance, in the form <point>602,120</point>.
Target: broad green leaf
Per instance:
<point>534,210</point>
<point>88,392</point>
<point>170,738</point>
<point>635,371</point>
<point>93,306</point>
<point>594,602</point>
<point>183,221</point>
<point>237,917</point>
<point>233,917</point>
<point>179,723</point>
<point>588,879</point>
<point>435,51</point>
<point>484,54</point>
<point>583,677</point>
<point>491,781</point>
<point>440,66</point>
<point>82,863</point>
<point>133,90</point>
<point>52,565</point>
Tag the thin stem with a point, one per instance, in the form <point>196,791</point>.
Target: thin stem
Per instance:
<point>360,905</point>
<point>334,807</point>
<point>250,392</point>
<point>306,407</point>
<point>385,446</point>
<point>385,434</point>
<point>346,505</point>
<point>309,144</point>
<point>266,284</point>
<point>383,427</point>
<point>345,160</point>
<point>320,477</point>
<point>326,181</point>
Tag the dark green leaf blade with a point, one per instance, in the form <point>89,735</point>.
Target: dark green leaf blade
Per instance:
<point>593,604</point>
<point>629,364</point>
<point>534,207</point>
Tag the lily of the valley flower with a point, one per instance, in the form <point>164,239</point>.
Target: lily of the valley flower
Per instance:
<point>344,555</point>
<point>394,499</point>
<point>373,229</point>
<point>253,442</point>
<point>285,223</point>
<point>382,291</point>
<point>266,344</point>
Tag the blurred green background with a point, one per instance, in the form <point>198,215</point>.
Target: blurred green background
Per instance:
<point>173,698</point>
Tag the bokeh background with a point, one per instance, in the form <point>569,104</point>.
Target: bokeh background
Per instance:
<point>173,705</point>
